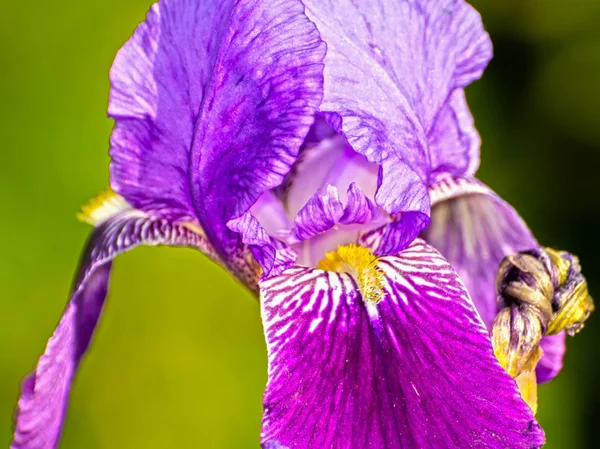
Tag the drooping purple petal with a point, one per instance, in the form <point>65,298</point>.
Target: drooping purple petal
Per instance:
<point>415,371</point>
<point>45,392</point>
<point>554,347</point>
<point>475,229</point>
<point>390,72</point>
<point>212,100</point>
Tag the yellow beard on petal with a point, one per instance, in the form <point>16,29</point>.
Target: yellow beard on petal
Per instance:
<point>361,264</point>
<point>102,207</point>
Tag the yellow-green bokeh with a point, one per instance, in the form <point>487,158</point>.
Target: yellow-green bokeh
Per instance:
<point>179,358</point>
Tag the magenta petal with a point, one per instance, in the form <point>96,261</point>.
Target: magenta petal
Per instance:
<point>45,392</point>
<point>391,67</point>
<point>415,371</point>
<point>212,100</point>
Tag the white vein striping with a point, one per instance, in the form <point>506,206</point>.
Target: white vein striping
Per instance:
<point>449,188</point>
<point>132,228</point>
<point>419,283</point>
<point>419,269</point>
<point>422,266</point>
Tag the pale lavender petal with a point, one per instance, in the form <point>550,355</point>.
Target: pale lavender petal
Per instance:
<point>327,161</point>
<point>453,140</point>
<point>271,214</point>
<point>45,392</point>
<point>212,100</point>
<point>390,69</point>
<point>415,371</point>
<point>554,347</point>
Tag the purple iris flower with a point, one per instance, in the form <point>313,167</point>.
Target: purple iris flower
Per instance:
<point>322,152</point>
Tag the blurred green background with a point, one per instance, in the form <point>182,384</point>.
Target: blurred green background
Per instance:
<point>179,358</point>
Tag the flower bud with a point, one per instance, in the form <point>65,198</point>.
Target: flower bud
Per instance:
<point>540,292</point>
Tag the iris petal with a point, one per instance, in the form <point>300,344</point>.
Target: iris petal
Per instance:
<point>326,210</point>
<point>391,69</point>
<point>475,229</point>
<point>45,392</point>
<point>272,255</point>
<point>211,101</point>
<point>453,140</point>
<point>325,158</point>
<point>415,370</point>
<point>554,347</point>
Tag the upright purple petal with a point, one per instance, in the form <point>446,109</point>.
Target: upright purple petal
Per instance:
<point>321,213</point>
<point>453,140</point>
<point>475,229</point>
<point>391,70</point>
<point>45,392</point>
<point>325,158</point>
<point>212,100</point>
<point>415,371</point>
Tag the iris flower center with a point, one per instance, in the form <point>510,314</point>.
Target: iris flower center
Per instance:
<point>361,264</point>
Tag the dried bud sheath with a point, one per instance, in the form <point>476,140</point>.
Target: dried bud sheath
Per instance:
<point>540,292</point>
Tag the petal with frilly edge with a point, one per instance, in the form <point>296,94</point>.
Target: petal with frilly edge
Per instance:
<point>326,210</point>
<point>414,371</point>
<point>453,140</point>
<point>212,100</point>
<point>325,158</point>
<point>45,392</point>
<point>390,70</point>
<point>475,229</point>
<point>272,255</point>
